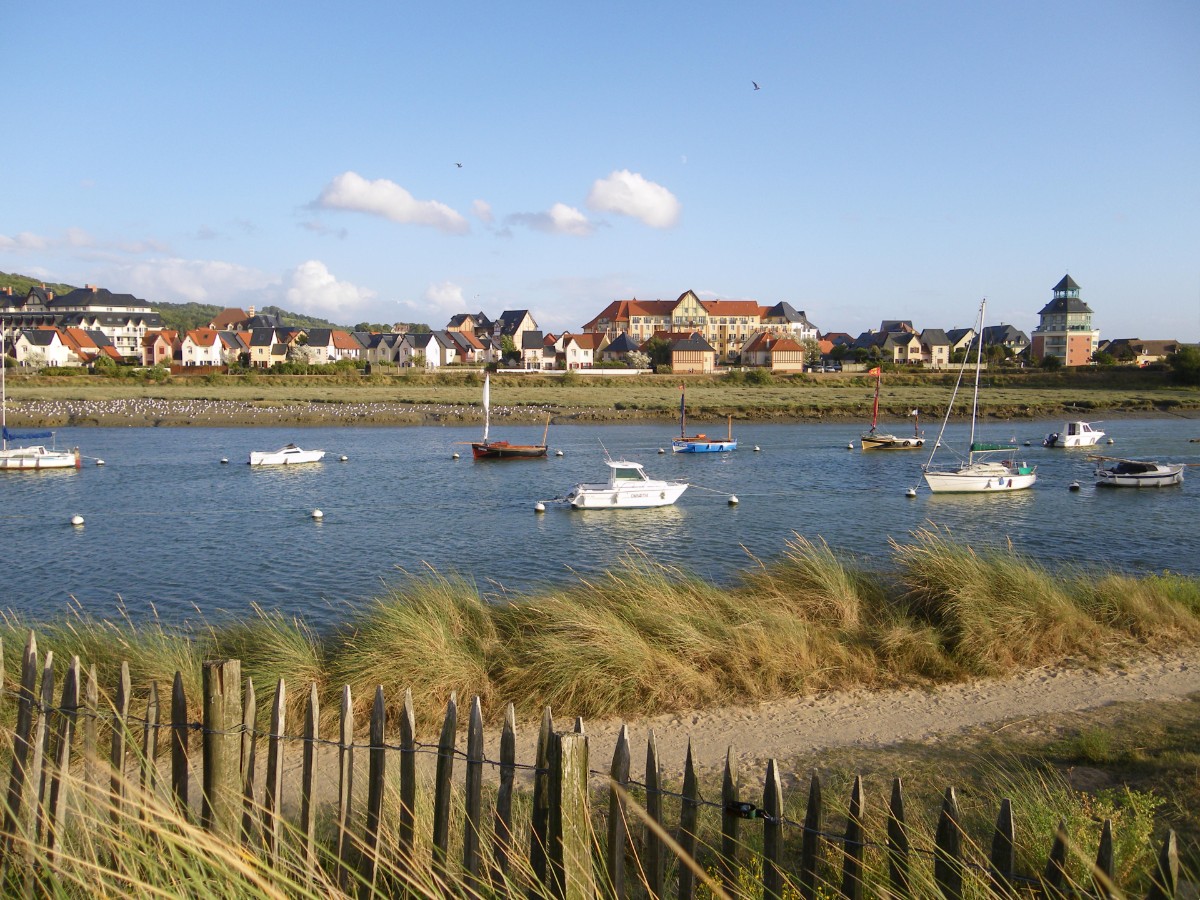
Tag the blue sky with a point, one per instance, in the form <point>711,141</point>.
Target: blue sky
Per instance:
<point>900,160</point>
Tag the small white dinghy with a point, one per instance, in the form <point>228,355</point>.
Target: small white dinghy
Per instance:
<point>628,487</point>
<point>285,456</point>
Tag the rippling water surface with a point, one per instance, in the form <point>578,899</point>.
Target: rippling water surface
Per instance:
<point>168,527</point>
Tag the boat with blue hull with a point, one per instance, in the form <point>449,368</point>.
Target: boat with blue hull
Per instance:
<point>700,443</point>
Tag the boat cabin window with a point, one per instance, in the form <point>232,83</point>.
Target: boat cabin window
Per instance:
<point>629,474</point>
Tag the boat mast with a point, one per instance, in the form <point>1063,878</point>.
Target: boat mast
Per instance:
<point>487,414</point>
<point>875,409</point>
<point>682,415</point>
<point>3,395</point>
<point>978,367</point>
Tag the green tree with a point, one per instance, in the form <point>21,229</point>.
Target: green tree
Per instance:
<point>1051,363</point>
<point>1101,358</point>
<point>1185,365</point>
<point>659,351</point>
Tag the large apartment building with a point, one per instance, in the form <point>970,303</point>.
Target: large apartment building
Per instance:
<point>1065,330</point>
<point>123,318</point>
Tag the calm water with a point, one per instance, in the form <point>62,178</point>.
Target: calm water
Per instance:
<point>168,527</point>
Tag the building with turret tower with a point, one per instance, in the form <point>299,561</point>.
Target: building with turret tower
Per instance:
<point>1065,330</point>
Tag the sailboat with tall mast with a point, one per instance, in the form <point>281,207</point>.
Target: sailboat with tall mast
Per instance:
<point>486,448</point>
<point>875,440</point>
<point>977,472</point>
<point>33,458</point>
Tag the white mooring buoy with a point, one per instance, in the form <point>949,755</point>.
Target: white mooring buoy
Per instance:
<point>661,450</point>
<point>343,458</point>
<point>1110,440</point>
<point>77,519</point>
<point>558,453</point>
<point>99,462</point>
<point>454,455</point>
<point>733,500</point>
<point>224,460</point>
<point>318,515</point>
<point>850,446</point>
<point>911,492</point>
<point>756,448</point>
<point>539,507</point>
<point>1074,486</point>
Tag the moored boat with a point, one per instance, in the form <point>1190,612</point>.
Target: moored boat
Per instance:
<point>875,440</point>
<point>1137,473</point>
<point>489,449</point>
<point>1074,434</point>
<point>699,443</point>
<point>285,456</point>
<point>628,487</point>
<point>983,475</point>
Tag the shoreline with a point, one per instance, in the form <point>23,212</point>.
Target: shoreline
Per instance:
<point>154,413</point>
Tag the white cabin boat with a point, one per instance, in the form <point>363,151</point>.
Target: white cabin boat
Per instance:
<point>1138,473</point>
<point>35,456</point>
<point>285,456</point>
<point>628,487</point>
<point>1074,434</point>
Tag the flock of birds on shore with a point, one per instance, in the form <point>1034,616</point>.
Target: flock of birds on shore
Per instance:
<point>156,411</point>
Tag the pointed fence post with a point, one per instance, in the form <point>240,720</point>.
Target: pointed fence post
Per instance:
<point>1104,872</point>
<point>898,847</point>
<point>572,876</point>
<point>120,745</point>
<point>64,736</point>
<point>539,826</point>
<point>345,841</point>
<point>730,824</point>
<point>653,862</point>
<point>1054,879</point>
<point>308,776</point>
<point>502,822</point>
<point>376,778</point>
<point>772,833</point>
<point>148,780</point>
<point>273,790</point>
<point>221,744</point>
<point>854,844</point>
<point>948,858</point>
<point>406,827</point>
<point>473,801</point>
<point>689,817</point>
<point>443,788</point>
<point>810,844</point>
<point>22,736</point>
<point>618,827</point>
<point>91,721</point>
<point>248,763</point>
<point>41,752</point>
<point>1164,880</point>
<point>1002,862</point>
<point>180,740</point>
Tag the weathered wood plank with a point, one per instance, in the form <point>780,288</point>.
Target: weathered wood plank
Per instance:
<point>772,833</point>
<point>376,779</point>
<point>948,854</point>
<point>570,863</point>
<point>222,724</point>
<point>689,817</point>
<point>1002,861</point>
<point>618,827</point>
<point>854,844</point>
<point>443,786</point>
<point>473,799</point>
<point>148,776</point>
<point>180,747</point>
<point>273,790</point>
<point>345,840</point>
<point>406,827</point>
<point>899,848</point>
<point>1104,872</point>
<point>502,845</point>
<point>65,735</point>
<point>1164,879</point>
<point>653,860</point>
<point>727,862</point>
<point>22,736</point>
<point>90,729</point>
<point>248,764</point>
<point>42,757</point>
<point>119,748</point>
<point>539,826</point>
<point>308,777</point>
<point>810,844</point>
<point>1054,878</point>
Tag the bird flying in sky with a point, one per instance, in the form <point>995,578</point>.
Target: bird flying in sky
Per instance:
<point>756,87</point>
<point>459,165</point>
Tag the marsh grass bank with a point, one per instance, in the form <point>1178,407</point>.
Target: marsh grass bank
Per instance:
<point>643,639</point>
<point>454,397</point>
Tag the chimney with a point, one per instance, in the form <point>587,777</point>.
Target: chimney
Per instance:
<point>250,312</point>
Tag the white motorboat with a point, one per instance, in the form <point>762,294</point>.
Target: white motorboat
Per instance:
<point>1074,434</point>
<point>977,476</point>
<point>285,456</point>
<point>36,456</point>
<point>628,487</point>
<point>1138,473</point>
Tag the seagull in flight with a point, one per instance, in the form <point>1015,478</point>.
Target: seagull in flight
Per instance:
<point>459,165</point>
<point>756,87</point>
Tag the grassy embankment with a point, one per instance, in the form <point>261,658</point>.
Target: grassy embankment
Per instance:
<point>645,639</point>
<point>455,396</point>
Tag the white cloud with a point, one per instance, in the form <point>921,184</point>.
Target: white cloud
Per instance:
<point>25,241</point>
<point>629,194</point>
<point>483,211</point>
<point>387,199</point>
<point>187,280</point>
<point>311,288</point>
<point>559,219</point>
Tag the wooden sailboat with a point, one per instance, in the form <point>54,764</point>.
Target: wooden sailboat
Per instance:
<point>977,473</point>
<point>874,440</point>
<point>489,449</point>
<point>699,443</point>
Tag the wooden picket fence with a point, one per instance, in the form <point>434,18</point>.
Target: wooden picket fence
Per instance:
<point>562,844</point>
